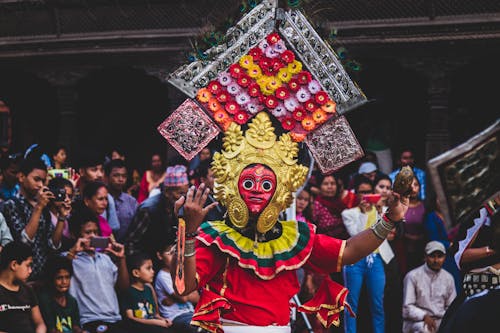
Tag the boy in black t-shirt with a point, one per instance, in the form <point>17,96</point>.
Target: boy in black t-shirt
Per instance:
<point>139,302</point>
<point>19,310</point>
<point>59,309</point>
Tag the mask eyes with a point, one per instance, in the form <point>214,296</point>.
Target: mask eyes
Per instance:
<point>267,185</point>
<point>248,184</point>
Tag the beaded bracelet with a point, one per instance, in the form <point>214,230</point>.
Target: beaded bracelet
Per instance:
<point>191,235</point>
<point>189,248</point>
<point>383,227</point>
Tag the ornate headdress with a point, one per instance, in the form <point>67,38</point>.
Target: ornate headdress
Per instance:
<point>258,145</point>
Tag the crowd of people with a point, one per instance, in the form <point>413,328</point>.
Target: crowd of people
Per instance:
<point>92,250</point>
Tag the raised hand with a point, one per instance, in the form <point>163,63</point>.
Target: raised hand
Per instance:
<point>398,205</point>
<point>193,210</point>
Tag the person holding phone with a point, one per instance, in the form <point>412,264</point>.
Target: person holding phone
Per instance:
<point>369,270</point>
<point>96,275</point>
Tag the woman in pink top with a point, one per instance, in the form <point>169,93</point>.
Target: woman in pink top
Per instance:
<point>95,197</point>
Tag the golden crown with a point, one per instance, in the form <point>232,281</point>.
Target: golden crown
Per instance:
<point>258,144</point>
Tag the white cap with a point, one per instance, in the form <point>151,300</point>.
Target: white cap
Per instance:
<point>367,167</point>
<point>434,246</point>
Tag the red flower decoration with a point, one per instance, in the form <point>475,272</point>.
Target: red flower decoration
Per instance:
<point>256,54</point>
<point>321,97</point>
<point>232,107</point>
<point>261,98</point>
<point>304,77</point>
<point>299,114</point>
<point>310,105</point>
<point>277,64</point>
<point>241,117</point>
<point>288,123</point>
<point>288,56</point>
<point>214,87</point>
<point>222,96</point>
<point>254,89</point>
<point>282,93</point>
<point>273,38</point>
<point>294,84</point>
<point>235,70</point>
<point>271,102</point>
<point>244,80</point>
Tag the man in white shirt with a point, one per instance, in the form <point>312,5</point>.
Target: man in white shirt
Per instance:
<point>428,292</point>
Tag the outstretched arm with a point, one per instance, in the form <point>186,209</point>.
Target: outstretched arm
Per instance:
<point>194,213</point>
<point>364,243</point>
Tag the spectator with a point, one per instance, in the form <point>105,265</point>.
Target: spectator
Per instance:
<point>414,236</point>
<point>59,309</point>
<point>369,270</point>
<point>10,167</point>
<point>60,157</point>
<point>327,208</point>
<point>406,158</point>
<point>95,198</point>
<point>5,235</point>
<point>303,206</point>
<point>19,310</point>
<point>207,177</point>
<point>204,155</point>
<point>152,179</point>
<point>60,207</point>
<point>96,276</point>
<point>28,217</point>
<point>139,301</point>
<point>126,205</point>
<point>155,222</point>
<point>428,291</point>
<point>91,170</point>
<point>177,308</point>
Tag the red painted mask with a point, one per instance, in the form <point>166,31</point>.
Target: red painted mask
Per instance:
<point>257,185</point>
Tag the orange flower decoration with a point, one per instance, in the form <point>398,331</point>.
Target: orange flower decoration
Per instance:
<point>308,123</point>
<point>203,95</point>
<point>214,105</point>
<point>298,137</point>
<point>330,106</point>
<point>221,116</point>
<point>319,116</point>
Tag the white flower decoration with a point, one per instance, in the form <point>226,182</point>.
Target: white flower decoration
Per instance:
<point>242,98</point>
<point>263,45</point>
<point>302,95</point>
<point>233,89</point>
<point>291,104</point>
<point>314,87</point>
<point>225,79</point>
<point>271,52</point>
<point>254,106</point>
<point>280,111</point>
<point>279,47</point>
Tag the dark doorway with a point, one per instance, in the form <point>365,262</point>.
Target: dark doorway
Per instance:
<point>33,109</point>
<point>122,107</point>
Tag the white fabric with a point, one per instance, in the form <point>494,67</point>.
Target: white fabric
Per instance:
<point>355,222</point>
<point>164,287</point>
<point>483,219</point>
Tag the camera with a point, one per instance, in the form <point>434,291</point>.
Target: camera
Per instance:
<point>59,194</point>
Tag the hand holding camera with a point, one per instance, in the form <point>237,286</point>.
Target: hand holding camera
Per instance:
<point>44,197</point>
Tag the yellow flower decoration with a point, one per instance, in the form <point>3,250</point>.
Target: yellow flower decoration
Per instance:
<point>295,67</point>
<point>246,61</point>
<point>273,84</point>
<point>254,71</point>
<point>284,74</point>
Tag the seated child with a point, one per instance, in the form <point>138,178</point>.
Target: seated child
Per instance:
<point>139,301</point>
<point>59,309</point>
<point>19,310</point>
<point>177,308</point>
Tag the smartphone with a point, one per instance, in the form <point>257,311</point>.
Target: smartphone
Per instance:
<point>372,198</point>
<point>64,173</point>
<point>99,242</point>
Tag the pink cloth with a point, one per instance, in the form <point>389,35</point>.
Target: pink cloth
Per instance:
<point>104,226</point>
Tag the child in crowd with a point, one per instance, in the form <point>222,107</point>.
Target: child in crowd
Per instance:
<point>59,309</point>
<point>19,310</point>
<point>139,302</point>
<point>303,206</point>
<point>177,308</point>
<point>96,275</point>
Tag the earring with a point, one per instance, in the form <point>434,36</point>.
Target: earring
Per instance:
<point>268,218</point>
<point>238,212</point>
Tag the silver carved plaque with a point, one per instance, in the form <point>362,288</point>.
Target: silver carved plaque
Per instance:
<point>334,145</point>
<point>468,175</point>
